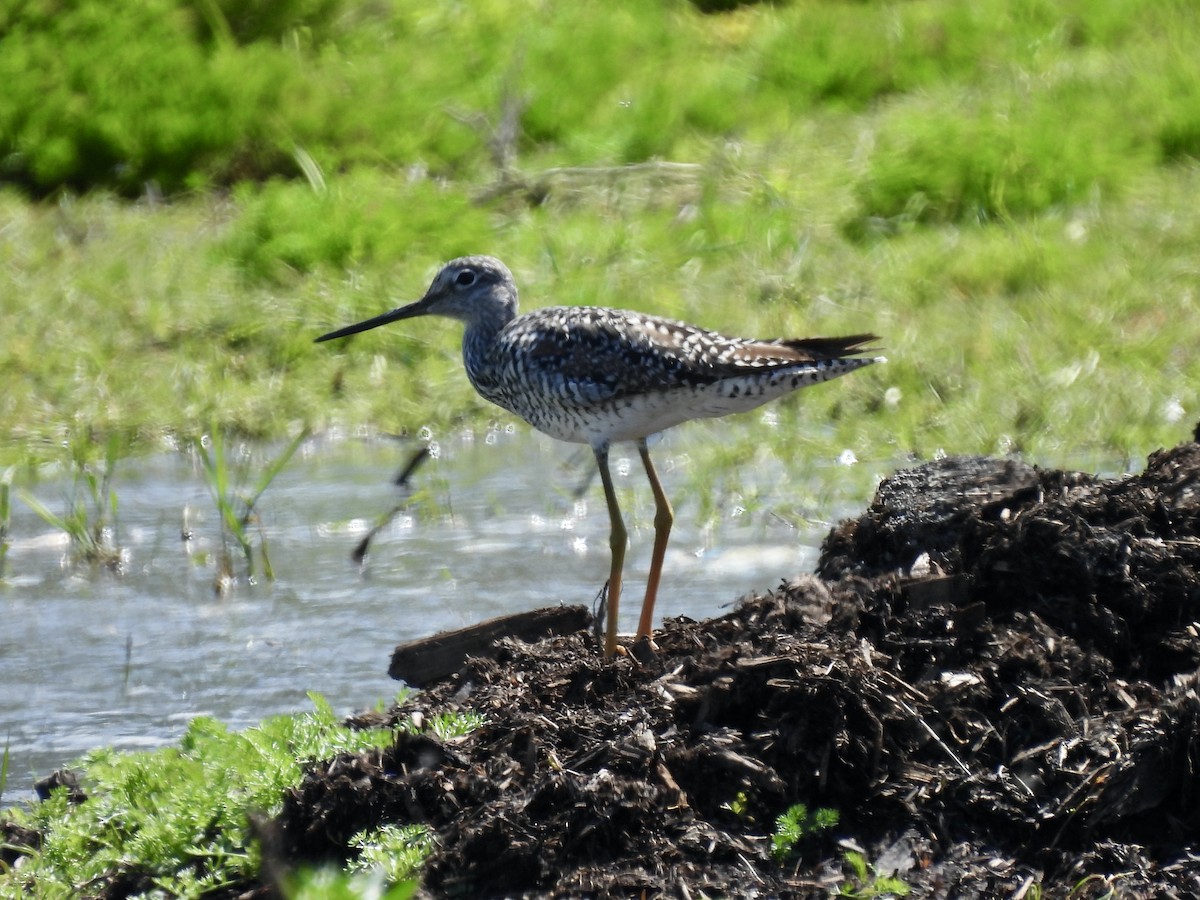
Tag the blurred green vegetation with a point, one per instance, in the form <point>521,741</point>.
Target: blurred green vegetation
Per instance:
<point>1003,190</point>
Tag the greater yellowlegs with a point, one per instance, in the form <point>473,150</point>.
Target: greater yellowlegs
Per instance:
<point>593,375</point>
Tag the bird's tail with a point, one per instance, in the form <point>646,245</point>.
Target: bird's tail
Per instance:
<point>829,348</point>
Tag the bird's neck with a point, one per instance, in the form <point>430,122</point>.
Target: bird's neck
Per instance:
<point>479,337</point>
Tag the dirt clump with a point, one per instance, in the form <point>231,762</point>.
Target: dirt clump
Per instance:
<point>992,679</point>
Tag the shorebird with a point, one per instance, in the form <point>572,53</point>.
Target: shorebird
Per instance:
<point>594,375</point>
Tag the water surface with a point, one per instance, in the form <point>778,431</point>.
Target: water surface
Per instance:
<point>89,658</point>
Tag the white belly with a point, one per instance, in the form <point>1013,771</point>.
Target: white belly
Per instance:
<point>642,415</point>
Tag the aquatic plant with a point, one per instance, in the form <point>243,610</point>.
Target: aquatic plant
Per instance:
<point>4,763</point>
<point>5,516</point>
<point>235,509</point>
<point>90,520</point>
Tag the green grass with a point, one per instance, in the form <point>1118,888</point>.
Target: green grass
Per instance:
<point>1003,191</point>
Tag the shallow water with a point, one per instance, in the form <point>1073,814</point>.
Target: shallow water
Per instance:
<point>89,658</point>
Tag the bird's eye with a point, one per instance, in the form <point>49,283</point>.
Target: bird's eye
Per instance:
<point>465,278</point>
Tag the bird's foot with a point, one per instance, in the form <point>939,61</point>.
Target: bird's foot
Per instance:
<point>643,649</point>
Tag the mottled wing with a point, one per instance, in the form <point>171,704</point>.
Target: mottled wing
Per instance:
<point>600,354</point>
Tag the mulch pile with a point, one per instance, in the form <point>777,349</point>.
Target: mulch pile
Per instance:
<point>992,678</point>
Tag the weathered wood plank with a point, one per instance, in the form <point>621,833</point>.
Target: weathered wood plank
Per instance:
<point>434,658</point>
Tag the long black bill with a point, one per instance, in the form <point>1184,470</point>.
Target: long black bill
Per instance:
<point>402,312</point>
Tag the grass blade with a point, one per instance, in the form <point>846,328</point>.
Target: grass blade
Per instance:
<point>5,516</point>
<point>50,518</point>
<point>274,468</point>
<point>4,762</point>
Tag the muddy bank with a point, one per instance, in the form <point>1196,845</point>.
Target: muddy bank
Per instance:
<point>993,679</point>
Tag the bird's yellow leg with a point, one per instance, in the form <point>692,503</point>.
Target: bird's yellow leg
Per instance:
<point>618,537</point>
<point>664,517</point>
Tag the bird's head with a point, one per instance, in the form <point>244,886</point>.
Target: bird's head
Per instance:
<point>472,289</point>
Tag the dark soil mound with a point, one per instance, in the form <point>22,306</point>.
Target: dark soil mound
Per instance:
<point>993,680</point>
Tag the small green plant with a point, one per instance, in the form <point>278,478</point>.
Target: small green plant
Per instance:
<point>455,724</point>
<point>738,805</point>
<point>865,883</point>
<point>328,883</point>
<point>397,851</point>
<point>235,509</point>
<point>91,516</point>
<point>797,823</point>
